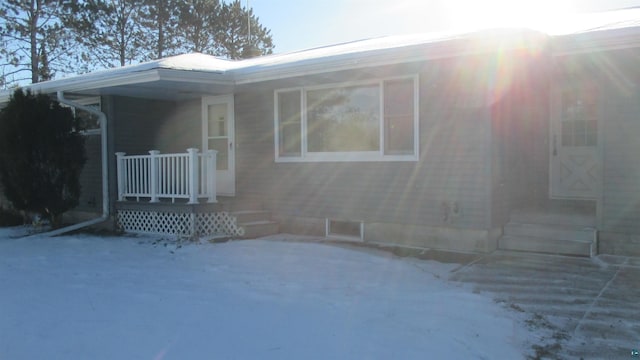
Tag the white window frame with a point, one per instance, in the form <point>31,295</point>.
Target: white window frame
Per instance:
<point>350,156</point>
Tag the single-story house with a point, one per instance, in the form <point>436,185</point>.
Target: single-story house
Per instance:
<point>510,139</point>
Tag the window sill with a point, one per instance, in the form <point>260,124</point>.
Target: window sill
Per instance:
<point>347,157</point>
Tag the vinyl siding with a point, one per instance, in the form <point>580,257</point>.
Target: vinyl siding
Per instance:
<point>621,168</point>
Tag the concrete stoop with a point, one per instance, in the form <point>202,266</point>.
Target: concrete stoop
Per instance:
<point>559,239</point>
<point>256,223</point>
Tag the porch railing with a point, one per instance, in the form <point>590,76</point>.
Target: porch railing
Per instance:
<point>190,175</point>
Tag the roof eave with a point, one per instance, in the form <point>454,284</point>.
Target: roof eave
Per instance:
<point>80,84</point>
<point>382,57</point>
<point>592,41</point>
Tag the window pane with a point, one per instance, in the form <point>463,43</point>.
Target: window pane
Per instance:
<point>289,123</point>
<point>346,228</point>
<point>592,133</point>
<point>217,120</point>
<point>580,114</point>
<point>88,121</point>
<point>222,159</point>
<point>567,133</point>
<point>344,119</point>
<point>398,116</point>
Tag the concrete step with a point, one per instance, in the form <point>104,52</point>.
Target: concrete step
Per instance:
<point>573,218</point>
<point>547,245</point>
<point>245,216</point>
<point>554,232</point>
<point>255,229</point>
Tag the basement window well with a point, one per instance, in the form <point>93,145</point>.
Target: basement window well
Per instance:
<point>345,229</point>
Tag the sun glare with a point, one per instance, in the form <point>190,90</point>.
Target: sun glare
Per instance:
<point>541,15</point>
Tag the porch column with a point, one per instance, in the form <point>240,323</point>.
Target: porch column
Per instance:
<point>212,162</point>
<point>194,175</point>
<point>120,174</point>
<point>153,175</point>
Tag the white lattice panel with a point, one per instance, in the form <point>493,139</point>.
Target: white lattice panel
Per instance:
<point>217,223</point>
<point>181,224</point>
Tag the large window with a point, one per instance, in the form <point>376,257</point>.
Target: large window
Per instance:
<point>372,121</point>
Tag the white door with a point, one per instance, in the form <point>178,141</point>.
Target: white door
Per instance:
<point>575,166</point>
<point>218,134</point>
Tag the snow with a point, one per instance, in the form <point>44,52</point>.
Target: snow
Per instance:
<point>90,297</point>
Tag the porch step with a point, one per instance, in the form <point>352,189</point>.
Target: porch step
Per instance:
<point>256,223</point>
<point>549,238</point>
<point>257,229</point>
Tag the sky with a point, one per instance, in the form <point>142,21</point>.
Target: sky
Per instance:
<point>303,24</point>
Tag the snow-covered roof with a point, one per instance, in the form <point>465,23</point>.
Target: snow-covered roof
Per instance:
<point>193,73</point>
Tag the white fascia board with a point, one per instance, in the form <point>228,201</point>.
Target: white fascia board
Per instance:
<point>80,83</point>
<point>89,82</point>
<point>195,76</point>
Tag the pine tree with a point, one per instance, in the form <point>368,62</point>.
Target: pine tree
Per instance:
<point>159,25</point>
<point>110,31</point>
<point>34,39</point>
<point>41,155</point>
<point>199,24</point>
<point>234,40</point>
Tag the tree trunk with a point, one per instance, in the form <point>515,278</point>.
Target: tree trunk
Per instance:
<point>34,11</point>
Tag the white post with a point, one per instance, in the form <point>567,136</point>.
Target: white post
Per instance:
<point>120,171</point>
<point>153,175</point>
<point>212,159</point>
<point>194,175</point>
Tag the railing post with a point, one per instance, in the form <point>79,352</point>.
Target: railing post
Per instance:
<point>212,156</point>
<point>120,174</point>
<point>194,175</point>
<point>153,175</point>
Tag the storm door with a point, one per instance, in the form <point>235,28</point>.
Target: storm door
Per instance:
<point>575,165</point>
<point>218,134</point>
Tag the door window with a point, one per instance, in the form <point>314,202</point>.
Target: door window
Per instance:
<point>579,118</point>
<point>218,137</point>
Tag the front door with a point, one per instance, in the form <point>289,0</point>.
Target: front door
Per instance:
<point>575,165</point>
<point>218,134</point>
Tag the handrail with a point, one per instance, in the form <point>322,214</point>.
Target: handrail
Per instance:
<point>158,176</point>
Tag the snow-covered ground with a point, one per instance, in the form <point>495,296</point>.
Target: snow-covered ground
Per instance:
<point>89,297</point>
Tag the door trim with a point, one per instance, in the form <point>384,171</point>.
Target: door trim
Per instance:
<point>222,99</point>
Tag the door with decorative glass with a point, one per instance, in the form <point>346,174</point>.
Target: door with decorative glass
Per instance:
<point>575,165</point>
<point>218,134</point>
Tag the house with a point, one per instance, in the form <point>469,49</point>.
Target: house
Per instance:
<point>510,139</point>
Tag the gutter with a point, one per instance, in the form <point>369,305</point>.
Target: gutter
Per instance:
<point>105,170</point>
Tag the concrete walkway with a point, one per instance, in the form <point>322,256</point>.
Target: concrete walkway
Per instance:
<point>591,307</point>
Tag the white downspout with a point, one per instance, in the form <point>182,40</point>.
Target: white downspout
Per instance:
<point>105,169</point>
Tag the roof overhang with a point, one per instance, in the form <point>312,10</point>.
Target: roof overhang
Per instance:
<point>593,41</point>
<point>139,81</point>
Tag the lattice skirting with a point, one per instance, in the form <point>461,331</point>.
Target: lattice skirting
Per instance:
<point>179,224</point>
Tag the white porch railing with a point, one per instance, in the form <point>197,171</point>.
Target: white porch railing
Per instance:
<point>190,175</point>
